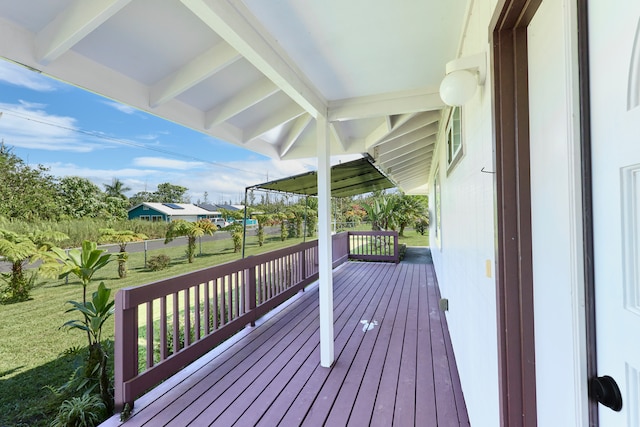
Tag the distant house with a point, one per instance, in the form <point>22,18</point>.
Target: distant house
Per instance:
<point>168,212</point>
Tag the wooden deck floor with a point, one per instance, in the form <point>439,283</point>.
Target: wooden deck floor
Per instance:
<point>394,363</point>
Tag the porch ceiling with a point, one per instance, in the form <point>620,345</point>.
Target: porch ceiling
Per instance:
<point>256,73</point>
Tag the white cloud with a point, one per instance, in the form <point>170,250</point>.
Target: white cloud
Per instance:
<point>29,125</point>
<point>18,75</point>
<point>126,109</point>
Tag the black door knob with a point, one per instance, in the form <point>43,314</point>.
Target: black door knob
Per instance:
<point>605,390</point>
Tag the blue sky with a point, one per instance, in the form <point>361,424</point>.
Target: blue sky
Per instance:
<point>77,133</point>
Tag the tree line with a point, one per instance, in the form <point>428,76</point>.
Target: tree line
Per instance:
<point>32,194</point>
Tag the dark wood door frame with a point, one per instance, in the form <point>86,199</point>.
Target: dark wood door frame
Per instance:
<point>516,342</point>
<point>514,271</point>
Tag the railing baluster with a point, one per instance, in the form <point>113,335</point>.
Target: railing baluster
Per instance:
<point>207,312</point>
<point>176,324</point>
<point>216,309</point>
<point>187,317</point>
<point>223,299</point>
<point>149,328</point>
<point>163,328</point>
<point>196,309</point>
<point>236,290</point>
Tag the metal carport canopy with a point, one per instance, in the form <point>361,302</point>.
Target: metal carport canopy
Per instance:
<point>347,179</point>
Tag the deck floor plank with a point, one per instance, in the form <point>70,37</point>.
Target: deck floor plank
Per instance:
<point>401,371</point>
<point>405,406</point>
<point>384,405</point>
<point>302,407</point>
<point>353,383</point>
<point>263,378</point>
<point>354,333</point>
<point>205,408</point>
<point>425,387</point>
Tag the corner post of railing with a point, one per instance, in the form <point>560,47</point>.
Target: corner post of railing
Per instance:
<point>396,249</point>
<point>251,291</point>
<point>125,350</point>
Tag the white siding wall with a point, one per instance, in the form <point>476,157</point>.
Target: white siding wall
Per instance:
<point>467,240</point>
<point>466,243</point>
<point>556,225</point>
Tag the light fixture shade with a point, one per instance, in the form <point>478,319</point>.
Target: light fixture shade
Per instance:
<point>458,87</point>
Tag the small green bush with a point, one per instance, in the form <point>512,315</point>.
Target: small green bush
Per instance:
<point>158,262</point>
<point>422,225</point>
<point>402,250</point>
<point>85,411</point>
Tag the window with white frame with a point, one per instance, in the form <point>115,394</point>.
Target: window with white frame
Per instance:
<point>454,137</point>
<point>145,218</point>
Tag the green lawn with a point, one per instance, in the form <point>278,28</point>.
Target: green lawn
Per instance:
<point>35,353</point>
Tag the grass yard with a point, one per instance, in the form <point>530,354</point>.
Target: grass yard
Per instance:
<point>35,353</point>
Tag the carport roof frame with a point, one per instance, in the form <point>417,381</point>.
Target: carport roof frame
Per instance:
<point>347,179</point>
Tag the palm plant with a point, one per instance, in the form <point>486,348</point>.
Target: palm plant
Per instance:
<point>191,230</point>
<point>382,212</point>
<point>408,210</point>
<point>83,264</point>
<point>121,237</point>
<point>116,189</point>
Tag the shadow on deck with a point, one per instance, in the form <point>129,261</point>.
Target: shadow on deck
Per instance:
<point>394,361</point>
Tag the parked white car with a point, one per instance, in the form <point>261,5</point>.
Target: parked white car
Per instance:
<point>220,222</point>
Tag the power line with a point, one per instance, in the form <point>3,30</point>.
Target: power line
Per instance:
<point>98,135</point>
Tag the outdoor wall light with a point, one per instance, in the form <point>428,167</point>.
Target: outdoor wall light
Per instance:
<point>463,76</point>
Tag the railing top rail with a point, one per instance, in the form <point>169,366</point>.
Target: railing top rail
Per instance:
<point>373,233</point>
<point>137,295</point>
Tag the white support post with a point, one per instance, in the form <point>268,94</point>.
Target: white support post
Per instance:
<point>324,243</point>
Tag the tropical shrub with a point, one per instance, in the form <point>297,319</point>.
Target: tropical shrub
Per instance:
<point>158,262</point>
<point>20,249</point>
<point>422,225</point>
<point>87,410</point>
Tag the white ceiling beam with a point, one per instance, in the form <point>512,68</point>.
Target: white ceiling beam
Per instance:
<point>426,143</point>
<point>415,186</point>
<point>410,152</point>
<point>416,122</point>
<point>243,100</point>
<point>421,164</point>
<point>202,67</point>
<point>380,133</point>
<point>298,127</point>
<point>377,134</point>
<point>336,134</point>
<point>72,25</point>
<point>405,140</point>
<point>417,157</point>
<point>405,162</point>
<point>417,174</point>
<point>232,21</point>
<point>427,99</point>
<point>277,118</point>
<point>399,120</point>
